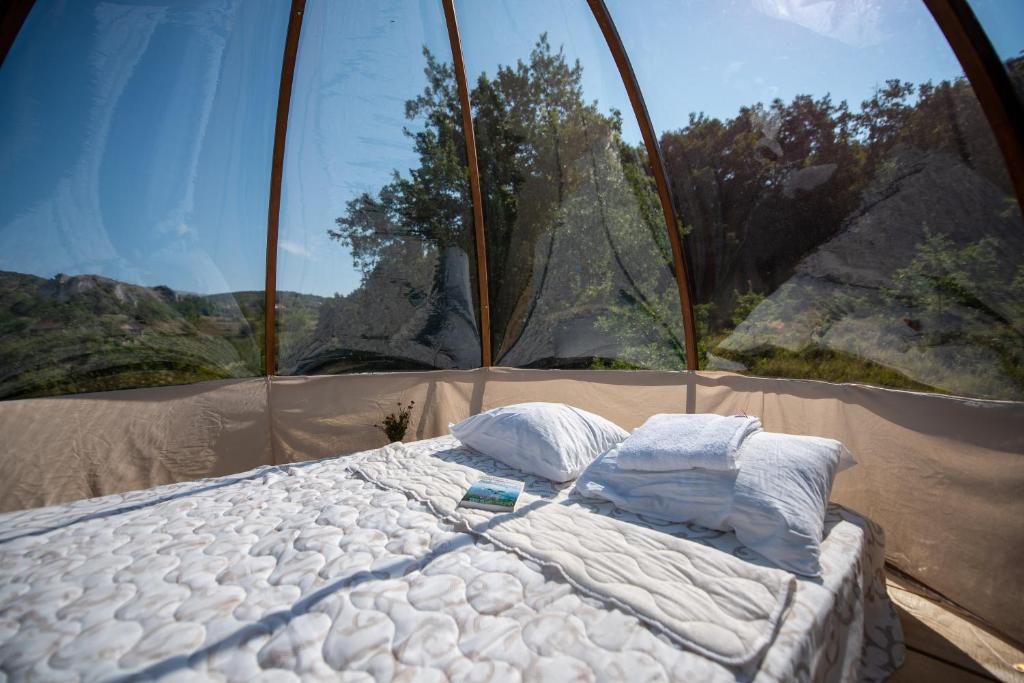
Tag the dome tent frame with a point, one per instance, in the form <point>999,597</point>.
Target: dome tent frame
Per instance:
<point>973,49</point>
<point>604,20</point>
<point>970,43</point>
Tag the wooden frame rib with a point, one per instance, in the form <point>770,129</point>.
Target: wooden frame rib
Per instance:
<point>990,80</point>
<point>474,182</point>
<point>291,50</point>
<point>611,36</point>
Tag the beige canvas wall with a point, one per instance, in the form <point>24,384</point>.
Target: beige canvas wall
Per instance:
<point>54,450</point>
<point>943,476</point>
<point>315,417</point>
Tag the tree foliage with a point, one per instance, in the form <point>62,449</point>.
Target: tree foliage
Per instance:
<point>573,223</point>
<point>575,238</point>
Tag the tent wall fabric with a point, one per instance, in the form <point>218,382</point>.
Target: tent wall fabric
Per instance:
<point>55,450</point>
<point>943,476</point>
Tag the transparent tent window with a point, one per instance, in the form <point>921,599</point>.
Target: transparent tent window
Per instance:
<point>844,208</point>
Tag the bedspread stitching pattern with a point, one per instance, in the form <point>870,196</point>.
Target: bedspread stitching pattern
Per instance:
<point>724,608</point>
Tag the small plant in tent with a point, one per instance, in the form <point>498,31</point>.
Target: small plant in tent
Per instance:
<point>394,425</point>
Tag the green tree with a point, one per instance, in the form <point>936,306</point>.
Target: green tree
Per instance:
<point>573,223</point>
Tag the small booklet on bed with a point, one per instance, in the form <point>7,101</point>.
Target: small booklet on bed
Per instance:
<point>493,493</point>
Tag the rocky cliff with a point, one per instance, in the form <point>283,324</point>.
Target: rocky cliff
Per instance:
<point>921,278</point>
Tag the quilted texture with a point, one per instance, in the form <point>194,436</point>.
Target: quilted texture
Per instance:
<point>709,601</point>
<point>307,572</point>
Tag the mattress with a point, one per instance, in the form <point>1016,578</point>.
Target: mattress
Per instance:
<point>320,570</point>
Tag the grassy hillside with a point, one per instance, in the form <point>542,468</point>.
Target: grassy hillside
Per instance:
<point>74,334</point>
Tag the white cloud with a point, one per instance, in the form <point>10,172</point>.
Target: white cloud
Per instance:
<point>731,70</point>
<point>183,229</point>
<point>296,249</point>
<point>858,24</point>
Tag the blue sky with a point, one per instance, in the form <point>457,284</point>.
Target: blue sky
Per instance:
<point>135,141</point>
<point>135,137</point>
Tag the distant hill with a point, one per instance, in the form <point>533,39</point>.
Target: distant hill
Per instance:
<point>81,333</point>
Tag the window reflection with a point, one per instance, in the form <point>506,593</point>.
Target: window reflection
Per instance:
<point>134,169</point>
<point>847,213</point>
<point>579,263</point>
<point>376,263</point>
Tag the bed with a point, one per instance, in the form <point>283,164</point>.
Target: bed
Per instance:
<point>361,568</point>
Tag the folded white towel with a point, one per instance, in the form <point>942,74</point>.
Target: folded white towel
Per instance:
<point>682,442</point>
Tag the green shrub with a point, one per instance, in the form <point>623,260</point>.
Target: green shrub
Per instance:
<point>394,425</point>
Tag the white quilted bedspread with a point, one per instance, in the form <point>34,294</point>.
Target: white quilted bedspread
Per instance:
<point>311,571</point>
<point>720,606</point>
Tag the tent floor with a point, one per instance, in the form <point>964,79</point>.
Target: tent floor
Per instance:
<point>945,645</point>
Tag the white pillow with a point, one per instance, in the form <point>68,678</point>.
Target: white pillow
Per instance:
<point>551,440</point>
<point>775,502</point>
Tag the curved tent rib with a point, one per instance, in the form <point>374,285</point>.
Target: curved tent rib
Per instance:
<point>988,77</point>
<point>474,182</point>
<point>636,99</point>
<point>291,50</point>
